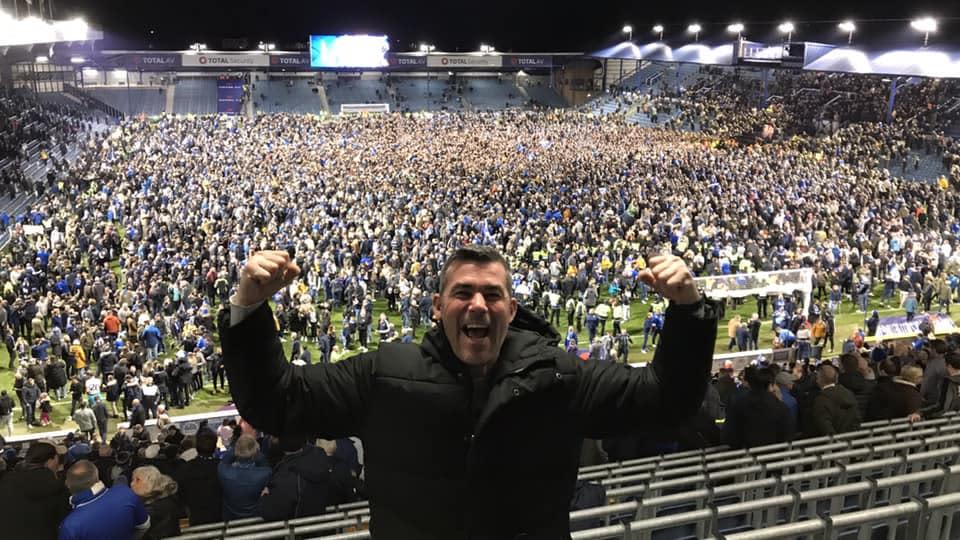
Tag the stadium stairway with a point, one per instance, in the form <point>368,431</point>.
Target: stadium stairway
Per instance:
<point>720,491</point>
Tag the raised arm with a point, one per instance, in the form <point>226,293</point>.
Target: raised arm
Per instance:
<point>612,398</point>
<point>270,393</point>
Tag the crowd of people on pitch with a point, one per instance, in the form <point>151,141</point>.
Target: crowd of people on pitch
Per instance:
<point>370,206</point>
<point>142,482</point>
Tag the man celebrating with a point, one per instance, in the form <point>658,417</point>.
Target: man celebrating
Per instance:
<point>491,415</point>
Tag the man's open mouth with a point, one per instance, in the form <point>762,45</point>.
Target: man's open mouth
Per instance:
<point>476,331</point>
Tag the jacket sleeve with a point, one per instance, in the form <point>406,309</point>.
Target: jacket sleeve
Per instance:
<point>613,399</point>
<point>321,400</point>
<point>280,502</point>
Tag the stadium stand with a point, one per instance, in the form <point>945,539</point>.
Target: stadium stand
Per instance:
<point>716,491</point>
<point>290,95</point>
<point>131,101</point>
<point>195,96</point>
<point>355,90</point>
<point>491,93</point>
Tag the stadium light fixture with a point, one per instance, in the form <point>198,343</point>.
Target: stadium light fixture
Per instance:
<point>849,28</point>
<point>787,28</point>
<point>43,59</point>
<point>76,60</point>
<point>736,28</point>
<point>627,29</point>
<point>695,30</point>
<point>927,25</point>
<point>426,48</point>
<point>658,29</point>
<point>487,49</point>
<point>197,47</point>
<point>267,47</point>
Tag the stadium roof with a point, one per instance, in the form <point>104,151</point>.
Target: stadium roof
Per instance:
<point>919,62</point>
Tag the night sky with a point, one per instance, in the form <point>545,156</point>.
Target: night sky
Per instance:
<point>520,26</point>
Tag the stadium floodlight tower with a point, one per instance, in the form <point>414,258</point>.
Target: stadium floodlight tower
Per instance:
<point>427,48</point>
<point>787,28</point>
<point>849,28</point>
<point>487,49</point>
<point>267,47</point>
<point>695,30</point>
<point>658,29</point>
<point>927,25</point>
<point>628,30</point>
<point>198,47</point>
<point>736,28</point>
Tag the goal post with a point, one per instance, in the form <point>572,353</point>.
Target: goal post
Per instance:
<point>769,283</point>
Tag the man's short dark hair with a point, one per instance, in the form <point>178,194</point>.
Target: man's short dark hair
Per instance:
<point>759,378</point>
<point>890,367</point>
<point>953,359</point>
<point>475,253</point>
<point>81,476</point>
<point>40,453</point>
<point>206,443</point>
<point>850,362</point>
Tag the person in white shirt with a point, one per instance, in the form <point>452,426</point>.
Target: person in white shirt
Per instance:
<point>93,388</point>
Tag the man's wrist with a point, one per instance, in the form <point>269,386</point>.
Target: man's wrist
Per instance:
<point>244,303</point>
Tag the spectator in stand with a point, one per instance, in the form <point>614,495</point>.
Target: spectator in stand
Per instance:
<point>904,399</point>
<point>159,495</point>
<point>835,408</point>
<point>32,497</point>
<point>880,400</point>
<point>854,378</point>
<point>726,386</point>
<point>199,484</point>
<point>757,417</point>
<point>950,388</point>
<point>934,372</point>
<point>242,478</point>
<point>473,343</point>
<point>100,512</point>
<point>305,482</point>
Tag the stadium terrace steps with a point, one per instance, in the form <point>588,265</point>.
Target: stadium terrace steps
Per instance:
<point>195,96</point>
<point>131,101</point>
<point>355,91</point>
<point>703,492</point>
<point>293,95</point>
<point>491,93</point>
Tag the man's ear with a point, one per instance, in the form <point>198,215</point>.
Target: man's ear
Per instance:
<point>436,306</point>
<point>513,308</point>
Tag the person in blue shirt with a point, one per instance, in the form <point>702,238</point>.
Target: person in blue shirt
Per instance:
<point>101,512</point>
<point>243,478</point>
<point>787,338</point>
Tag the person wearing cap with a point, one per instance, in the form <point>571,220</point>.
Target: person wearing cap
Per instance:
<point>726,386</point>
<point>32,496</point>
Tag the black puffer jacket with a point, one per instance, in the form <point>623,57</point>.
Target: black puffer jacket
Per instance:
<point>442,461</point>
<point>34,501</point>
